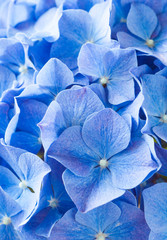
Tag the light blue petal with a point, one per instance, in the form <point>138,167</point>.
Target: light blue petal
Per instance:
<point>106,133</point>
<point>141,21</point>
<point>95,189</point>
<point>75,30</point>
<point>71,151</point>
<point>155,213</point>
<point>55,76</point>
<point>154,89</point>
<point>130,167</point>
<point>68,228</point>
<point>78,104</point>
<point>47,25</point>
<point>100,14</point>
<point>120,91</point>
<point>99,218</point>
<point>7,79</point>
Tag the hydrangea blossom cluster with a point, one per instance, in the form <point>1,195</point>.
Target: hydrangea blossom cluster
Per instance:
<point>83,120</point>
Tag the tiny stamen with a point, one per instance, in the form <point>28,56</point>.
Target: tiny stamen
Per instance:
<point>103,163</point>
<point>103,81</point>
<point>6,220</point>
<point>53,202</point>
<point>101,236</point>
<point>23,69</point>
<point>164,118</point>
<point>150,43</point>
<point>23,184</point>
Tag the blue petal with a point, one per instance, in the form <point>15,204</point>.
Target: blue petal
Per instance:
<point>10,183</point>
<point>7,79</point>
<point>99,218</point>
<point>4,119</point>
<point>130,225</point>
<point>90,60</point>
<point>55,76</point>
<point>100,14</point>
<point>71,151</point>
<point>47,25</point>
<point>154,89</point>
<point>78,104</point>
<point>75,30</point>
<point>161,131</point>
<point>31,113</point>
<point>34,170</point>
<point>25,141</point>
<point>126,40</point>
<point>162,155</point>
<point>106,133</point>
<point>68,228</point>
<point>52,124</point>
<point>155,213</point>
<point>45,227</point>
<point>159,236</point>
<point>12,52</point>
<point>120,91</point>
<point>130,167</point>
<point>95,189</point>
<point>141,21</point>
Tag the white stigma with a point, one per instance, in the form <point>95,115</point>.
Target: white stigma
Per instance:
<point>164,118</point>
<point>103,163</point>
<point>23,69</point>
<point>150,43</point>
<point>6,220</point>
<point>23,184</point>
<point>101,236</point>
<point>53,202</point>
<point>103,80</point>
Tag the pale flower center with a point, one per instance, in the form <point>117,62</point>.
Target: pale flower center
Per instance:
<point>23,184</point>
<point>23,69</point>
<point>150,43</point>
<point>6,220</point>
<point>164,118</point>
<point>103,80</point>
<point>103,163</point>
<point>101,236</point>
<point>53,202</point>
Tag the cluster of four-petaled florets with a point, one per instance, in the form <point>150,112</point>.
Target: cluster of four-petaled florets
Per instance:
<point>83,120</point>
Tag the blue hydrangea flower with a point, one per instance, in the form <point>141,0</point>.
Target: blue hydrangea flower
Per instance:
<point>71,108</point>
<point>118,221</point>
<point>146,33</point>
<point>21,177</point>
<point>107,66</point>
<point>155,205</point>
<point>78,27</point>
<point>154,88</point>
<point>101,160</point>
